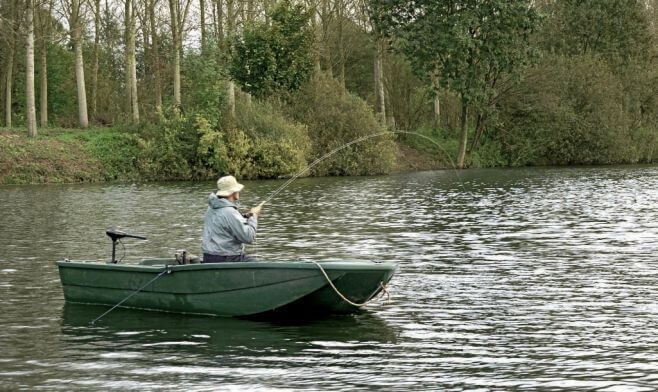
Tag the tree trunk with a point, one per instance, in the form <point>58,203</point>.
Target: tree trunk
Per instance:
<point>316,56</point>
<point>156,54</point>
<point>44,27</point>
<point>231,99</point>
<point>177,89</point>
<point>131,66</point>
<point>341,48</point>
<point>250,11</point>
<point>230,21</point>
<point>9,74</point>
<point>436,88</point>
<point>79,64</point>
<point>479,129</point>
<point>267,7</point>
<point>202,11</point>
<point>94,72</point>
<point>230,17</point>
<point>463,138</point>
<point>43,91</point>
<point>30,104</point>
<point>437,110</point>
<point>173,10</point>
<point>325,37</point>
<point>379,82</point>
<point>220,21</point>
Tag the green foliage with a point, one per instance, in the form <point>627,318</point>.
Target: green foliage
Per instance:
<point>261,143</point>
<point>212,149</point>
<point>169,149</point>
<point>266,144</point>
<point>275,56</point>
<point>117,151</point>
<point>467,44</point>
<point>61,156</point>
<point>205,89</point>
<point>335,117</point>
<point>617,30</point>
<point>571,111</point>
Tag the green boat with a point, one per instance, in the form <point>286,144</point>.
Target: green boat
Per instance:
<point>225,289</point>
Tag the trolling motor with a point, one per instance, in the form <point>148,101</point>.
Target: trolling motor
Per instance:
<point>116,235</point>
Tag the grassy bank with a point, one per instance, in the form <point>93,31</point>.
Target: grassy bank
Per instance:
<point>66,156</point>
<point>113,154</point>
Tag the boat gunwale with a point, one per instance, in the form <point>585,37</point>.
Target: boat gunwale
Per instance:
<point>346,265</point>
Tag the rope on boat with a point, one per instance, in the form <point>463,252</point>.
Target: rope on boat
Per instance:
<point>165,271</point>
<point>358,305</point>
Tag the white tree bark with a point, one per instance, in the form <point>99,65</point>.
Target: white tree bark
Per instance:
<point>94,72</point>
<point>437,110</point>
<point>156,53</point>
<point>178,17</point>
<point>30,104</point>
<point>43,72</point>
<point>379,82</point>
<point>76,27</point>
<point>131,63</point>
<point>231,99</point>
<point>230,22</point>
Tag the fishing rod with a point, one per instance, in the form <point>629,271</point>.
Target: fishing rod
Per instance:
<point>344,146</point>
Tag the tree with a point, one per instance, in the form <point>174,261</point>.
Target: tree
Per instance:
<point>45,23</point>
<point>29,71</point>
<point>76,16</point>
<point>10,35</point>
<point>618,30</point>
<point>94,73</point>
<point>470,42</point>
<point>155,50</point>
<point>131,63</point>
<point>178,15</point>
<point>278,56</point>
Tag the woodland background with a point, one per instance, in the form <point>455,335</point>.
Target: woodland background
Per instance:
<point>98,90</point>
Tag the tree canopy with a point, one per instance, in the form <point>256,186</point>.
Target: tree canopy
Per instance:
<point>275,54</point>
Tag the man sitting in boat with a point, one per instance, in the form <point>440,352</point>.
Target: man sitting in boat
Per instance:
<point>225,229</point>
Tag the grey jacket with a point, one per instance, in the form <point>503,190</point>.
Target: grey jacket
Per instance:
<point>225,230</point>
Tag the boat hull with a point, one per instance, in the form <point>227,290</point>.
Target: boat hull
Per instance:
<point>224,289</point>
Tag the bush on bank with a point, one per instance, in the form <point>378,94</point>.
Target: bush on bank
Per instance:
<point>580,112</point>
<point>335,117</point>
<point>262,141</point>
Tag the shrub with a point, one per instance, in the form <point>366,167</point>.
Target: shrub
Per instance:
<point>169,149</point>
<point>205,92</point>
<point>570,110</point>
<point>335,117</point>
<point>263,143</point>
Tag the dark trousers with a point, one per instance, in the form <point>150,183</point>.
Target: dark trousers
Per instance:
<point>208,258</point>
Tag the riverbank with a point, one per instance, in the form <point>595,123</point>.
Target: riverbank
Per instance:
<point>110,154</point>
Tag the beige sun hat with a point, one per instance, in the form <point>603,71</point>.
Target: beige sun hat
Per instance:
<point>228,185</point>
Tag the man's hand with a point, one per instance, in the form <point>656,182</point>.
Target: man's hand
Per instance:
<point>256,210</point>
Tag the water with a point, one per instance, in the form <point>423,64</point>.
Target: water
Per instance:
<point>509,279</point>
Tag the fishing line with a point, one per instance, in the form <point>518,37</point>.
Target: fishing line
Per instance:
<point>344,146</point>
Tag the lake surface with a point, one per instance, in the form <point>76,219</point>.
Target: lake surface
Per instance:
<point>543,278</point>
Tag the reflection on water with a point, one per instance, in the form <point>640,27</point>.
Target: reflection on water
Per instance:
<point>509,279</point>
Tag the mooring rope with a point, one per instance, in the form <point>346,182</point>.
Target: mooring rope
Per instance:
<point>358,305</point>
<point>166,270</point>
